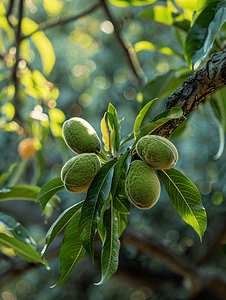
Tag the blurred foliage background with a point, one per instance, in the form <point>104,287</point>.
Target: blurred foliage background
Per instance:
<point>77,68</point>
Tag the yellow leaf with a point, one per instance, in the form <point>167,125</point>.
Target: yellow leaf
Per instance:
<point>2,9</point>
<point>25,50</point>
<point>28,26</point>
<point>144,45</point>
<point>5,25</point>
<point>53,7</point>
<point>45,50</point>
<point>105,133</point>
<point>9,110</point>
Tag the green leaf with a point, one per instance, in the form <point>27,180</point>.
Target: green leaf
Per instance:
<point>5,176</point>
<point>201,35</point>
<point>59,224</point>
<point>122,204</point>
<point>97,194</point>
<point>101,229</point>
<point>23,250</point>
<point>175,83</point>
<point>122,222</point>
<point>186,199</point>
<point>218,103</point>
<point>159,120</point>
<point>20,192</point>
<point>49,190</point>
<point>16,229</point>
<point>111,246</point>
<point>144,45</point>
<point>126,139</point>
<point>71,252</point>
<point>45,50</point>
<point>105,133</point>
<point>222,140</point>
<point>112,144</point>
<point>122,163</point>
<point>3,94</point>
<point>113,124</point>
<point>160,13</point>
<point>158,85</point>
<point>140,117</point>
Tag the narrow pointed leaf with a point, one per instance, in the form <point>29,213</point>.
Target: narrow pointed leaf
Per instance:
<point>122,222</point>
<point>113,123</point>
<point>122,204</point>
<point>59,224</point>
<point>45,50</point>
<point>101,229</point>
<point>186,199</point>
<point>165,116</point>
<point>16,229</point>
<point>71,252</point>
<point>201,35</point>
<point>23,250</point>
<point>97,194</point>
<point>127,139</point>
<point>111,246</point>
<point>222,140</point>
<point>20,192</point>
<point>122,163</point>
<point>140,117</point>
<point>49,190</point>
<point>105,133</point>
<point>5,176</point>
<point>112,144</point>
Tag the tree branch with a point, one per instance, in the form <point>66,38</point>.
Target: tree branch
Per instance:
<point>51,23</point>
<point>9,12</point>
<point>208,79</point>
<point>127,48</point>
<point>14,77</point>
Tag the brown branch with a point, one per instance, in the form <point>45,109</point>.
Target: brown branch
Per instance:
<point>210,78</point>
<point>9,12</point>
<point>127,48</point>
<point>51,23</point>
<point>14,77</point>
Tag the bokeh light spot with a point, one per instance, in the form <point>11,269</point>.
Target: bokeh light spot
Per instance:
<point>107,27</point>
<point>130,93</point>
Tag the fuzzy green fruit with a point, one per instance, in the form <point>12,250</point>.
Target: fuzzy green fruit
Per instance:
<point>80,136</point>
<point>78,173</point>
<point>157,151</point>
<point>142,185</point>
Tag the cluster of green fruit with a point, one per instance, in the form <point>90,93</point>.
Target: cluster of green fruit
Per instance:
<point>142,184</point>
<point>78,173</point>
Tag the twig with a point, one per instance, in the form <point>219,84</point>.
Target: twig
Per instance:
<point>10,8</point>
<point>127,48</point>
<point>14,77</point>
<point>51,23</point>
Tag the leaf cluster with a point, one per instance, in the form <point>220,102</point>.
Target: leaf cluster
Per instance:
<point>106,206</point>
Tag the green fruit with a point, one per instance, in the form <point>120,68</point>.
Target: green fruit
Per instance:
<point>142,185</point>
<point>157,151</point>
<point>80,136</point>
<point>78,173</point>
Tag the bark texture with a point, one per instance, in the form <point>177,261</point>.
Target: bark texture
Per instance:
<point>210,78</point>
